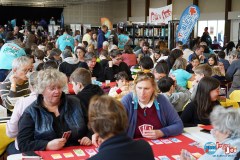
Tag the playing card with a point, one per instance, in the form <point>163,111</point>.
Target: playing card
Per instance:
<point>163,158</point>
<point>56,156</point>
<point>197,155</point>
<point>91,152</point>
<point>175,140</point>
<point>79,152</point>
<point>166,141</point>
<point>68,155</point>
<point>150,143</point>
<point>156,141</point>
<point>176,157</point>
<point>66,134</point>
<point>141,128</point>
<point>148,127</point>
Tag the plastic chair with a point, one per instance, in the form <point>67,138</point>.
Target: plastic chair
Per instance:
<point>5,140</point>
<point>235,96</point>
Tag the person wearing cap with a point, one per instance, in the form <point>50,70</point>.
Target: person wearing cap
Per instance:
<point>88,36</point>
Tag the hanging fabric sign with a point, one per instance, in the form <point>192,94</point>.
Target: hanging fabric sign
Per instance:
<point>188,20</point>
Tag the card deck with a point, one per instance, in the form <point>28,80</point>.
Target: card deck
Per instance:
<point>141,128</point>
<point>56,156</point>
<point>163,158</point>
<point>79,152</point>
<point>148,127</point>
<point>175,140</point>
<point>197,155</point>
<point>68,155</point>
<point>91,152</point>
<point>166,141</point>
<point>156,141</point>
<point>66,134</point>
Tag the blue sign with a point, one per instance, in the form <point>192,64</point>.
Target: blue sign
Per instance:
<point>210,148</point>
<point>62,21</point>
<point>188,20</point>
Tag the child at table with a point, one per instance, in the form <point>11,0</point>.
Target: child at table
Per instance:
<point>203,70</point>
<point>122,86</point>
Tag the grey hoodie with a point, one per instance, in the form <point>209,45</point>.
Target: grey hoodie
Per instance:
<point>179,99</point>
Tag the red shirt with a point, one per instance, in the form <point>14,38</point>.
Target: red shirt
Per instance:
<point>147,116</point>
<point>130,59</point>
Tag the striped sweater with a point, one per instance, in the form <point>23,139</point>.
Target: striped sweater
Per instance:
<point>9,97</point>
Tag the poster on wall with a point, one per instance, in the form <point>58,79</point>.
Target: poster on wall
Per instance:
<point>188,20</point>
<point>107,22</point>
<point>160,15</point>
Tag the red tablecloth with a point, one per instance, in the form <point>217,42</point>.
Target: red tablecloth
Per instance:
<point>159,150</point>
<point>207,127</point>
<point>112,84</point>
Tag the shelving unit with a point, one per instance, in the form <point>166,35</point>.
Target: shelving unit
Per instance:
<point>149,32</point>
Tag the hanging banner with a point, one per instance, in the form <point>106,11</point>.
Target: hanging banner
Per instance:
<point>188,20</point>
<point>160,15</point>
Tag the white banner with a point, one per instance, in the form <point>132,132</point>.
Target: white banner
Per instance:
<point>160,15</point>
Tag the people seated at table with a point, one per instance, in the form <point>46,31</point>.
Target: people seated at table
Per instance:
<point>235,83</point>
<point>122,86</point>
<point>174,54</point>
<point>226,131</point>
<point>20,106</point>
<point>55,55</point>
<point>164,54</point>
<point>109,121</point>
<point>146,64</point>
<point>199,50</point>
<point>145,106</point>
<point>93,66</point>
<point>218,72</point>
<point>144,51</point>
<point>115,66</point>
<point>104,58</point>
<point>128,56</point>
<point>179,71</point>
<point>212,60</point>
<point>198,111</point>
<point>178,96</point>
<point>234,66</point>
<point>193,64</point>
<point>69,63</point>
<point>161,70</point>
<point>203,70</point>
<point>16,85</point>
<point>83,87</point>
<point>221,59</point>
<point>156,55</point>
<point>38,58</point>
<point>80,53</point>
<point>44,123</point>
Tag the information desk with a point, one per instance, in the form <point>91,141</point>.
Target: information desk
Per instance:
<point>170,147</point>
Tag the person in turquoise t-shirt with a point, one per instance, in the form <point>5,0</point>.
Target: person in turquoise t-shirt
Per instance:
<point>123,39</point>
<point>178,71</point>
<point>65,40</point>
<point>8,53</point>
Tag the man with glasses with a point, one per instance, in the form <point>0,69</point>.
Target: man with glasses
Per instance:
<point>116,65</point>
<point>199,53</point>
<point>16,85</point>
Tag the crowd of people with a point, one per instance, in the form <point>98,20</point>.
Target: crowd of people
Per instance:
<point>151,88</point>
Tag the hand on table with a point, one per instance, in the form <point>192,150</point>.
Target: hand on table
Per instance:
<point>56,144</point>
<point>152,134</point>
<point>85,141</point>
<point>185,155</point>
<point>96,140</point>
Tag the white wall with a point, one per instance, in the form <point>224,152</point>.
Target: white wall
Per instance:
<point>234,31</point>
<point>90,13</point>
<point>158,3</point>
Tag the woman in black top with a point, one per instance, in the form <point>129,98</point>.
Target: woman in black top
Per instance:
<point>197,111</point>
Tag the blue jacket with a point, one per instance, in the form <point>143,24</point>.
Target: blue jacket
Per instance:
<point>101,38</point>
<point>171,122</point>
